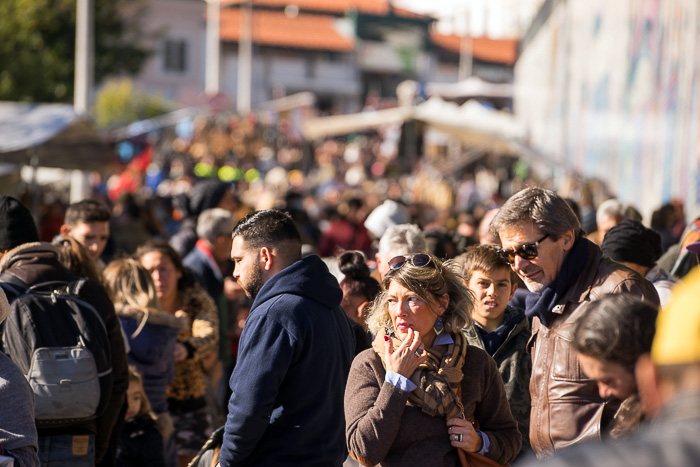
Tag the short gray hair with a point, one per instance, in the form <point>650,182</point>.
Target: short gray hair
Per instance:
<point>404,238</point>
<point>213,223</point>
<point>610,209</point>
<point>544,209</point>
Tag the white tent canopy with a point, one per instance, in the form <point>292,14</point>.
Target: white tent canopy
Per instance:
<point>321,127</point>
<point>470,87</point>
<point>50,135</point>
<point>472,123</point>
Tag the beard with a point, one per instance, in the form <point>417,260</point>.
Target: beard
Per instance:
<point>253,283</point>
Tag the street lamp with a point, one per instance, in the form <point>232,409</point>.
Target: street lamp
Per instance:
<point>245,59</point>
<point>213,41</point>
<point>82,86</point>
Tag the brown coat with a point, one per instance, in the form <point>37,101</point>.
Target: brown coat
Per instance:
<point>566,406</point>
<point>382,429</point>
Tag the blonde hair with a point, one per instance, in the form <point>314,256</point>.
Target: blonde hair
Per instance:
<point>132,288</point>
<point>429,282</point>
<point>145,410</point>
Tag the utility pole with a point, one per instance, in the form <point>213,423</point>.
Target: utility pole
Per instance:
<point>466,52</point>
<point>213,46</point>
<point>245,59</point>
<point>84,53</point>
<point>82,87</point>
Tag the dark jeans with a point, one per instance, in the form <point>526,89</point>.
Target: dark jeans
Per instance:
<point>67,451</point>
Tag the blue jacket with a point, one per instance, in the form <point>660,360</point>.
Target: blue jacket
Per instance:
<point>293,362</point>
<point>152,351</point>
<point>209,278</point>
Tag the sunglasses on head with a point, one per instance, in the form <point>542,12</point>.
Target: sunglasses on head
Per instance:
<point>525,251</point>
<point>420,260</point>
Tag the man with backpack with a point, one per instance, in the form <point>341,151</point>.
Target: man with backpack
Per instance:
<point>79,375</point>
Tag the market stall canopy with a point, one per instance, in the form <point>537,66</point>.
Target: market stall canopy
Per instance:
<point>470,87</point>
<point>321,127</point>
<point>471,123</point>
<point>50,135</point>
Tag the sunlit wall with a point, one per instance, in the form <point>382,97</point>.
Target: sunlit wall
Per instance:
<point>610,89</point>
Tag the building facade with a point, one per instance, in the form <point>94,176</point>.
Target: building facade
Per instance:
<point>609,89</point>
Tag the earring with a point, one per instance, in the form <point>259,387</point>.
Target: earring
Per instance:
<point>438,327</point>
<point>389,330</point>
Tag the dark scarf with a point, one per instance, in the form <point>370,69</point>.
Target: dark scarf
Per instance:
<point>494,340</point>
<point>541,304</point>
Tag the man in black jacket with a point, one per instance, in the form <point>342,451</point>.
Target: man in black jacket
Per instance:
<point>26,262</point>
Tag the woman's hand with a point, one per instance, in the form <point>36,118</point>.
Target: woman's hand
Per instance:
<point>406,358</point>
<point>469,440</point>
<point>180,352</point>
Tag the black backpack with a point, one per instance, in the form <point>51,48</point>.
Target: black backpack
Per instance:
<point>61,345</point>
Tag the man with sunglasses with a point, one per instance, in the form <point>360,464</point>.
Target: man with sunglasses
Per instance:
<point>543,242</point>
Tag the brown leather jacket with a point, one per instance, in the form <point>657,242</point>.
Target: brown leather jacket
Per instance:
<point>566,407</point>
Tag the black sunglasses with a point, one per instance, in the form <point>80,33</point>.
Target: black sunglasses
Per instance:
<point>420,260</point>
<point>525,251</point>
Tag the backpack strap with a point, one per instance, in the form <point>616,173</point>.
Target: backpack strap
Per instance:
<point>12,285</point>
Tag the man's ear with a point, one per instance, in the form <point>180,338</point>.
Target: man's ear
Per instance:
<point>362,309</point>
<point>266,259</point>
<point>569,238</point>
<point>647,378</point>
<point>513,288</point>
<point>65,229</point>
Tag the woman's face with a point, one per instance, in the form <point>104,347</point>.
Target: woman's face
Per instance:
<point>133,398</point>
<point>163,272</point>
<point>409,311</point>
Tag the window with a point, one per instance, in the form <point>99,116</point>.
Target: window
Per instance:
<point>176,55</point>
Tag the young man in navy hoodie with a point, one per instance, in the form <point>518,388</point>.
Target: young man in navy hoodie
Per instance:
<point>294,355</point>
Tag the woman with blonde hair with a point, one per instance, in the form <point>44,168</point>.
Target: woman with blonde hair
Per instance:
<point>152,333</point>
<point>422,395</point>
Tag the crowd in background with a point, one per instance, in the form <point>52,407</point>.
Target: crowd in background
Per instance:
<point>170,214</point>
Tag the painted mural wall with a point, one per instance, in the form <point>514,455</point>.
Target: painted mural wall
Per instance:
<point>610,89</point>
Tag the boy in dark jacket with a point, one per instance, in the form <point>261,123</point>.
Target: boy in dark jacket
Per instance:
<point>503,331</point>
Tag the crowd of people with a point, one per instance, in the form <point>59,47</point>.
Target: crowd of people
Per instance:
<point>341,315</point>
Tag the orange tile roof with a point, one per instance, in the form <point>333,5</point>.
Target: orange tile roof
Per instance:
<point>274,28</point>
<point>370,7</point>
<point>490,50</point>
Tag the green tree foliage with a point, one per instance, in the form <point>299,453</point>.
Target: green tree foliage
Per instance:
<point>118,103</point>
<point>37,46</point>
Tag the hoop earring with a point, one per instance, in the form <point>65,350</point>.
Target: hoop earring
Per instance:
<point>438,327</point>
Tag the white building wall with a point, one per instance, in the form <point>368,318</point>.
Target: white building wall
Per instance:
<point>179,20</point>
<point>276,74</point>
<point>610,89</point>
